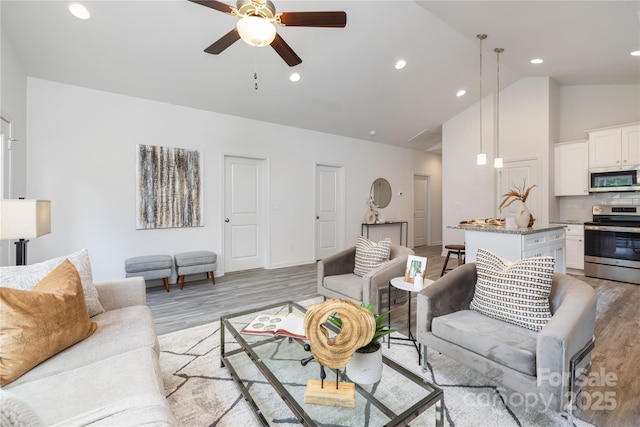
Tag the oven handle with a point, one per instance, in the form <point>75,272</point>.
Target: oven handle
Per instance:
<point>610,228</point>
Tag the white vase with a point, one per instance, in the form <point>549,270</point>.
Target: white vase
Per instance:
<point>523,216</point>
<point>365,368</point>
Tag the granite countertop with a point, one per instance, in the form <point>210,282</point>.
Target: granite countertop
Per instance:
<point>569,222</point>
<point>502,229</point>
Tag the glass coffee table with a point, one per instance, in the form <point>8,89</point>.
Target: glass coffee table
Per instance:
<point>272,380</point>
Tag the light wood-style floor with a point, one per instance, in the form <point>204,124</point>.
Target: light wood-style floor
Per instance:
<point>617,328</point>
<point>200,302</point>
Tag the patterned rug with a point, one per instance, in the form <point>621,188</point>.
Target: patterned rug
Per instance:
<point>201,393</point>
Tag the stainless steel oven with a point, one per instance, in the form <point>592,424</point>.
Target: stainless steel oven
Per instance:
<point>612,244</point>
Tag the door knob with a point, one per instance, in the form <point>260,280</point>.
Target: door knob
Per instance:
<point>317,217</point>
<point>226,220</point>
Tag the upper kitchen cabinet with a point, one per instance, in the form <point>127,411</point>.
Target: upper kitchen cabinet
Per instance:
<point>615,146</point>
<point>572,168</point>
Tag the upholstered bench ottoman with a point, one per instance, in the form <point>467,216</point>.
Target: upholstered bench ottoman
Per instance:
<point>150,267</point>
<point>195,262</point>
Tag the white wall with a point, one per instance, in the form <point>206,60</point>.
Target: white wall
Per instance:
<point>81,155</point>
<point>13,107</point>
<point>584,108</point>
<point>470,191</point>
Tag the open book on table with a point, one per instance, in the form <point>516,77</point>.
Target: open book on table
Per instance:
<point>288,325</point>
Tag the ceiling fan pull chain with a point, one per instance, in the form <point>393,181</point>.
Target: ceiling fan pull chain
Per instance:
<point>255,68</point>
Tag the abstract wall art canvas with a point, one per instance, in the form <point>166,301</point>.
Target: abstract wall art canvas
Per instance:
<point>169,187</point>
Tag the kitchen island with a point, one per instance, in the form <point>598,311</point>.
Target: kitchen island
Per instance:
<point>515,243</point>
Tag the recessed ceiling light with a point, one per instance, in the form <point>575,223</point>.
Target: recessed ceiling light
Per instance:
<point>400,64</point>
<point>461,92</point>
<point>294,77</point>
<point>536,61</point>
<point>635,53</point>
<point>79,11</point>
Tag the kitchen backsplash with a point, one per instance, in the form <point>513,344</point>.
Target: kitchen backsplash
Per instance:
<point>578,208</point>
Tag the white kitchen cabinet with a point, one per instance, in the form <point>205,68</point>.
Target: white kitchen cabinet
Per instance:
<point>575,246</point>
<point>572,168</point>
<point>615,146</point>
<point>515,244</point>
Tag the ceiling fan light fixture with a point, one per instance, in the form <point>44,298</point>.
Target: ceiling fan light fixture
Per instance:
<point>256,31</point>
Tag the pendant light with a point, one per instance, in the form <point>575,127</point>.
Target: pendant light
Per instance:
<point>482,157</point>
<point>497,162</point>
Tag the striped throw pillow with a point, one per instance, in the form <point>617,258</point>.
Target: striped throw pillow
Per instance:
<point>516,292</point>
<point>370,255</point>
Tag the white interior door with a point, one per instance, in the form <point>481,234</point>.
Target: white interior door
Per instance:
<point>244,230</point>
<point>329,210</point>
<point>520,173</point>
<point>420,210</point>
<point>7,248</point>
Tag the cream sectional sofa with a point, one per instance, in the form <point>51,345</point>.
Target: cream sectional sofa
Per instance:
<point>111,378</point>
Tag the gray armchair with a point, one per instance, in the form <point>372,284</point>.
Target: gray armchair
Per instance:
<point>337,280</point>
<point>522,360</point>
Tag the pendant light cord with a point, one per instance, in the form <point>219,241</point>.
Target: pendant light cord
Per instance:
<point>481,37</point>
<point>498,51</point>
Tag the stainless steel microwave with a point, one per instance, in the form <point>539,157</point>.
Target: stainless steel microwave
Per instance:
<point>618,178</point>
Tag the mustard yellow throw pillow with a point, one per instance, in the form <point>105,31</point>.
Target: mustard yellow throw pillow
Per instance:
<point>41,322</point>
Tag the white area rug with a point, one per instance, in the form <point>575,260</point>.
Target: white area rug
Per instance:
<point>201,393</point>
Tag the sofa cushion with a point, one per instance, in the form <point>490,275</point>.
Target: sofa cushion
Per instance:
<point>120,330</point>
<point>348,285</point>
<point>125,389</point>
<point>40,323</point>
<point>27,276</point>
<point>515,292</point>
<point>370,255</point>
<point>502,342</point>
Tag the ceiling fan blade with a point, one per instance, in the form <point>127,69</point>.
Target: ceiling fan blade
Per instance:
<point>223,42</point>
<point>213,4</point>
<point>284,50</point>
<point>314,19</point>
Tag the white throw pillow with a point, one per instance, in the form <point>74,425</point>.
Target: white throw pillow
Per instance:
<point>26,277</point>
<point>514,292</point>
<point>15,412</point>
<point>370,255</point>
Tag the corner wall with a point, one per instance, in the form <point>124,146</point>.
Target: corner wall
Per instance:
<point>81,155</point>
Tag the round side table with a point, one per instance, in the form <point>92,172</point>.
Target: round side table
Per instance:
<point>399,283</point>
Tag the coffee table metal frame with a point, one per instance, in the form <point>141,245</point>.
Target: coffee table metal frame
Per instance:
<point>435,397</point>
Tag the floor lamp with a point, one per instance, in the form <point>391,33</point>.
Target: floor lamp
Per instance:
<point>22,219</point>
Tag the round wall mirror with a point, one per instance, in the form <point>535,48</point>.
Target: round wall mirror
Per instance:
<point>381,192</point>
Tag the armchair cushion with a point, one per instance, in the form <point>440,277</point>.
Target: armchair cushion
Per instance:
<point>502,342</point>
<point>517,292</point>
<point>370,255</point>
<point>348,285</point>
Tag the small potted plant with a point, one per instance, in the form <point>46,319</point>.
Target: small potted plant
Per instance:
<point>365,366</point>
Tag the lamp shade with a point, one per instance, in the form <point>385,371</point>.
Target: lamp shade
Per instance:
<point>256,31</point>
<point>24,219</point>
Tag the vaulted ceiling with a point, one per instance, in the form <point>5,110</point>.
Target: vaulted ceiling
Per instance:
<point>349,86</point>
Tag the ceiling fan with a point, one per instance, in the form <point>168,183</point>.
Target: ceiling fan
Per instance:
<point>256,25</point>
